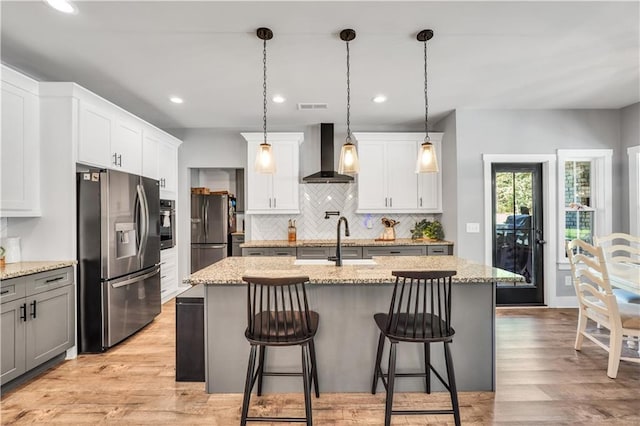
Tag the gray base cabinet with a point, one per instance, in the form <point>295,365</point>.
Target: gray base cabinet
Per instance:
<point>351,252</point>
<point>269,251</point>
<point>37,318</point>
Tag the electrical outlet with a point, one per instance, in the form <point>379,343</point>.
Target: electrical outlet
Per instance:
<point>473,228</point>
<point>568,281</point>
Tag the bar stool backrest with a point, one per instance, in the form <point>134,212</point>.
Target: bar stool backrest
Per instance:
<point>277,309</point>
<point>421,305</point>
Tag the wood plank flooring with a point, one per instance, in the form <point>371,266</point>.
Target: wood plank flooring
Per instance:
<point>540,380</point>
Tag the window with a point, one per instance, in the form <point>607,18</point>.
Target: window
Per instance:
<point>584,196</point>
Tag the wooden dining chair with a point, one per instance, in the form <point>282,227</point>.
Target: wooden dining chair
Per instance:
<point>619,250</point>
<point>598,303</point>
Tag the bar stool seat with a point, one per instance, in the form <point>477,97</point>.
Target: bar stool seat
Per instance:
<point>420,312</point>
<point>278,314</point>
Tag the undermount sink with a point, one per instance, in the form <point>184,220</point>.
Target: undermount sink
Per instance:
<point>345,262</point>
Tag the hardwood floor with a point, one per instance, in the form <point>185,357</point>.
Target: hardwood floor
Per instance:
<point>540,380</point>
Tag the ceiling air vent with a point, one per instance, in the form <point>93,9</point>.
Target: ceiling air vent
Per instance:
<point>308,106</point>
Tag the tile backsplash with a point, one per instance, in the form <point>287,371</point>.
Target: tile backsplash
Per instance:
<point>315,200</point>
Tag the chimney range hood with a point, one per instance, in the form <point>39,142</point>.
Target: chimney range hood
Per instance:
<point>327,174</point>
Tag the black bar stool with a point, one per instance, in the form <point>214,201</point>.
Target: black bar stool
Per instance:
<point>420,312</point>
<point>278,315</point>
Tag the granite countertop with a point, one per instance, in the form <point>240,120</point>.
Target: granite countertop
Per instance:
<point>231,269</point>
<point>344,242</point>
<point>19,269</point>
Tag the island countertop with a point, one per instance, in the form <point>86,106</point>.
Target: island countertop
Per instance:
<point>19,269</point>
<point>231,270</point>
<point>345,242</point>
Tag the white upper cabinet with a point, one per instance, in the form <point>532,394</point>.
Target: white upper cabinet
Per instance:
<point>96,128</point>
<point>126,145</point>
<point>20,146</point>
<point>388,182</point>
<point>168,153</point>
<point>274,193</point>
<point>150,154</point>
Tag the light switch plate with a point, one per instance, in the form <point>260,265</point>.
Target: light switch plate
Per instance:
<point>473,228</point>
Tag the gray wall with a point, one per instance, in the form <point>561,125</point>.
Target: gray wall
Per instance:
<point>629,136</point>
<point>449,178</point>
<point>523,132</point>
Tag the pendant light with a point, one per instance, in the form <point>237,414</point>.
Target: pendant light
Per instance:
<point>265,162</point>
<point>349,163</point>
<point>427,157</point>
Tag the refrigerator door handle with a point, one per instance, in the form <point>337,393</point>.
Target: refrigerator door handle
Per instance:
<point>144,220</point>
<point>136,279</point>
<point>206,220</point>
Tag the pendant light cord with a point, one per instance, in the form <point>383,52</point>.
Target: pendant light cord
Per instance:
<point>348,97</point>
<point>264,89</point>
<point>426,98</point>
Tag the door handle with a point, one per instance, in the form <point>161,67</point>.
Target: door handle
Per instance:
<point>136,279</point>
<point>33,309</point>
<point>23,312</point>
<point>541,242</point>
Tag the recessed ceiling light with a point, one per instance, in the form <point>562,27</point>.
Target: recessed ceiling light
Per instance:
<point>380,99</point>
<point>176,100</point>
<point>278,99</point>
<point>64,6</point>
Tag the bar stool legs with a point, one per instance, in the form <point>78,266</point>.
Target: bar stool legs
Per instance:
<point>309,377</point>
<point>391,375</point>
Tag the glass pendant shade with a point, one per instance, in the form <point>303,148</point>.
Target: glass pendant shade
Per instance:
<point>264,159</point>
<point>427,159</point>
<point>349,163</point>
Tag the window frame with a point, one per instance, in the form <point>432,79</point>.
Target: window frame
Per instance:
<point>601,201</point>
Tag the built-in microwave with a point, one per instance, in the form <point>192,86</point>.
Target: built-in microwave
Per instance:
<point>167,224</point>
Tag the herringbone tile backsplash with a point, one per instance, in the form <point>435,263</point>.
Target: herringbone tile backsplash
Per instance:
<point>315,200</point>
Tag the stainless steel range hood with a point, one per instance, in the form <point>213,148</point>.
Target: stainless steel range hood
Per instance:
<point>327,174</point>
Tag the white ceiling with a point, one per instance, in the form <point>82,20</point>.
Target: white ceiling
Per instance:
<point>484,55</point>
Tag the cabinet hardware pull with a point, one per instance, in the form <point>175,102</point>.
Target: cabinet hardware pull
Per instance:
<point>120,160</point>
<point>385,201</point>
<point>269,202</point>
<point>4,291</point>
<point>274,203</point>
<point>390,202</point>
<point>394,252</point>
<point>115,158</point>
<point>51,280</point>
<point>33,308</point>
<point>163,276</point>
<point>23,312</point>
<point>420,201</point>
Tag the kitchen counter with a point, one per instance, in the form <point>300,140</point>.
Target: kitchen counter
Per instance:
<point>19,269</point>
<point>346,298</point>
<point>231,269</point>
<point>345,242</point>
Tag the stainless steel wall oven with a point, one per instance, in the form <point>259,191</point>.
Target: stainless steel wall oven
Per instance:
<point>167,224</point>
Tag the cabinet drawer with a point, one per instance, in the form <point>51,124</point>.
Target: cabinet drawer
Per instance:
<point>12,289</point>
<point>314,252</point>
<point>368,252</point>
<point>282,251</point>
<point>350,252</point>
<point>261,251</point>
<point>438,250</point>
<point>168,258</point>
<point>49,280</point>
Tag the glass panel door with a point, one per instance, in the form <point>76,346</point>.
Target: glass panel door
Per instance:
<point>517,231</point>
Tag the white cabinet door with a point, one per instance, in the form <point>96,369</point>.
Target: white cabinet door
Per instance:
<point>168,167</point>
<point>276,193</point>
<point>126,145</point>
<point>372,180</point>
<point>285,180</point>
<point>94,144</point>
<point>402,179</point>
<point>20,152</point>
<point>430,186</point>
<point>150,155</point>
<point>258,184</point>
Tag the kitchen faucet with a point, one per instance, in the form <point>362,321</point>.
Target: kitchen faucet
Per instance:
<point>338,257</point>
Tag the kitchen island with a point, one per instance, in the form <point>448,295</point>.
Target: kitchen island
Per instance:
<point>346,298</point>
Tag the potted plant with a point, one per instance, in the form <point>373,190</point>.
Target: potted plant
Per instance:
<point>427,230</point>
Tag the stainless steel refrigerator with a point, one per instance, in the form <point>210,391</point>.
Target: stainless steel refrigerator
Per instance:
<point>212,220</point>
<point>118,256</point>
